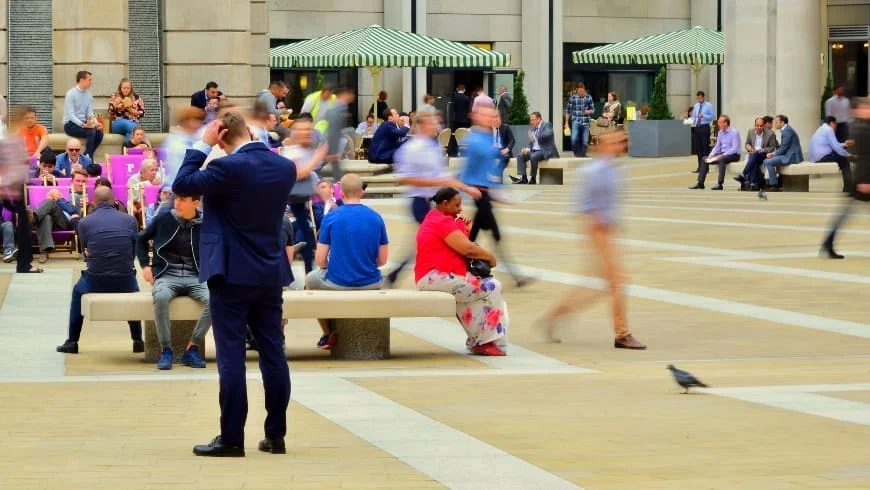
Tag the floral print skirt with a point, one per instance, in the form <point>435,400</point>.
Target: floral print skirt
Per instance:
<point>480,307</point>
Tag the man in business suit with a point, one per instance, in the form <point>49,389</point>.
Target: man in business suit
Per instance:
<point>244,262</point>
<point>788,153</point>
<point>207,100</point>
<point>504,140</point>
<point>702,116</point>
<point>542,146</point>
<point>389,137</point>
<point>461,108</point>
<point>759,142</point>
<point>504,103</point>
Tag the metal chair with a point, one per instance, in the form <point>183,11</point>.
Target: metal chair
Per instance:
<point>444,138</point>
<point>460,135</point>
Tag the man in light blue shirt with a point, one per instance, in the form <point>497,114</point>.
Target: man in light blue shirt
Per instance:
<point>78,114</point>
<point>727,150</point>
<point>824,147</point>
<point>702,115</point>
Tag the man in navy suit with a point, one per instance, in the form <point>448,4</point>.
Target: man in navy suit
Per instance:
<point>242,258</point>
<point>788,153</point>
<point>207,100</point>
<point>389,137</point>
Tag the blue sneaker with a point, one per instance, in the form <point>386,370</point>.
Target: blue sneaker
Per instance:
<point>192,358</point>
<point>165,361</point>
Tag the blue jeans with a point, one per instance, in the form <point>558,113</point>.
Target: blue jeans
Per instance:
<point>770,164</point>
<point>123,126</point>
<point>91,135</point>
<point>303,224</point>
<point>97,284</point>
<point>579,138</point>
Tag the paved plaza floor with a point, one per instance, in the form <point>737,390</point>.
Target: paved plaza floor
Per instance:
<point>723,285</point>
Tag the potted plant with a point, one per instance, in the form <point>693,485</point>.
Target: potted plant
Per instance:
<point>518,114</point>
<point>659,135</point>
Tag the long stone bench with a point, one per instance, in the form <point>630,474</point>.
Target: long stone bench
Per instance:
<point>552,171</point>
<point>795,177</point>
<point>362,318</point>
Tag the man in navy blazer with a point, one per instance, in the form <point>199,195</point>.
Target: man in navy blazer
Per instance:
<point>388,138</point>
<point>788,153</point>
<point>243,259</point>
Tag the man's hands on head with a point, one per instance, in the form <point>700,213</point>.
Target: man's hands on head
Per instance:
<point>214,132</point>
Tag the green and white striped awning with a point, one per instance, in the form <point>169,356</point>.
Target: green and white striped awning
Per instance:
<point>377,46</point>
<point>698,46</point>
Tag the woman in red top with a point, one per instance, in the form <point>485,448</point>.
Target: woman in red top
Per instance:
<point>443,250</point>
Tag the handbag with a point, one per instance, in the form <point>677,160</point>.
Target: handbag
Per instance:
<point>479,268</point>
<point>603,122</point>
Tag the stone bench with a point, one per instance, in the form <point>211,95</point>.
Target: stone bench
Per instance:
<point>795,177</point>
<point>362,318</point>
<point>552,171</point>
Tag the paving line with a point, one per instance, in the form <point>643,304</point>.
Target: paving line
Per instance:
<point>772,269</point>
<point>746,310</point>
<point>33,319</point>
<point>447,455</point>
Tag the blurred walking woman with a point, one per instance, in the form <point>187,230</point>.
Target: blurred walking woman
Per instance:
<point>443,252</point>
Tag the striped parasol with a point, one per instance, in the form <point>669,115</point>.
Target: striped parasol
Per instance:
<point>376,46</point>
<point>696,47</point>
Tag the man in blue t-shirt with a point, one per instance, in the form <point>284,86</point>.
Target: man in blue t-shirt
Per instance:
<point>352,244</point>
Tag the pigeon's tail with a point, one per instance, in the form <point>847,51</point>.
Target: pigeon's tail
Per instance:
<point>702,385</point>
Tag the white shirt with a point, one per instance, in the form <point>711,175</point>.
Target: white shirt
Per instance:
<point>535,145</point>
<point>839,108</point>
<point>420,157</point>
<point>758,138</point>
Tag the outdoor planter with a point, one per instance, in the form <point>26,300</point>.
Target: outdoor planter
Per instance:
<point>655,139</point>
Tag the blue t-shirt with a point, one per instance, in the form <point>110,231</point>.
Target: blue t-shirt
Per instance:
<point>354,234</point>
<point>482,168</point>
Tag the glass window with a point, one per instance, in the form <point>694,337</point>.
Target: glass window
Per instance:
<point>849,66</point>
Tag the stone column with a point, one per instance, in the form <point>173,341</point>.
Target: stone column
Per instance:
<point>30,70</point>
<point>88,35</point>
<point>536,28</point>
<point>259,45</point>
<point>145,68</point>
<point>749,85</point>
<point>207,40</point>
<point>798,61</point>
<point>397,15</point>
<point>4,89</point>
<point>703,13</point>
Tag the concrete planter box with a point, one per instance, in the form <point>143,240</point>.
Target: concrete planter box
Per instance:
<point>521,135</point>
<point>654,139</point>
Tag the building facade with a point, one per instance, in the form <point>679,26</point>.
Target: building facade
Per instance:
<point>778,52</point>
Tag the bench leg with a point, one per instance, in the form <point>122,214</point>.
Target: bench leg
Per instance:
<point>551,176</point>
<point>796,183</point>
<point>181,332</point>
<point>362,339</point>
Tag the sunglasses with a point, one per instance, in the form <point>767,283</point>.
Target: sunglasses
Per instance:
<point>74,149</point>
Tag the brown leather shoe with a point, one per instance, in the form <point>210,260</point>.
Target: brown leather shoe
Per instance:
<point>628,342</point>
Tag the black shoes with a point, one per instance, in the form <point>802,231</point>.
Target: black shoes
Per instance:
<point>218,449</point>
<point>717,188</point>
<point>828,251</point>
<point>274,446</point>
<point>531,182</point>
<point>69,347</point>
<point>697,186</point>
<point>138,346</point>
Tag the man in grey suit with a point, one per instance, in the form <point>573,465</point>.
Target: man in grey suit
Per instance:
<point>759,142</point>
<point>788,153</point>
<point>542,146</point>
<point>504,103</point>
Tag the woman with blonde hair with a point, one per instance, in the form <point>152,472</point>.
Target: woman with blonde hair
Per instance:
<point>126,109</point>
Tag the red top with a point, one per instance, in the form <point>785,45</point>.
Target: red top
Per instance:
<point>433,253</point>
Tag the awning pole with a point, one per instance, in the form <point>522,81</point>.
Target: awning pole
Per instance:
<point>376,76</point>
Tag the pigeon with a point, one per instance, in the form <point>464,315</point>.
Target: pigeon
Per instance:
<point>685,378</point>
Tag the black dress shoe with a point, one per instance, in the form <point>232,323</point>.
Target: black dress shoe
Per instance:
<point>517,180</point>
<point>740,179</point>
<point>274,446</point>
<point>828,251</point>
<point>69,347</point>
<point>697,186</point>
<point>217,448</point>
<point>695,171</point>
<point>717,188</point>
<point>531,182</point>
<point>138,346</point>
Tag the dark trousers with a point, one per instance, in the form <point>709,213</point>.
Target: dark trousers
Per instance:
<point>503,161</point>
<point>92,136</point>
<point>533,156</point>
<point>725,160</point>
<point>701,136</point>
<point>484,219</point>
<point>842,131</point>
<point>303,224</point>
<point>845,168</point>
<point>753,170</point>
<point>23,233</point>
<point>233,309</point>
<point>420,207</point>
<point>89,283</point>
